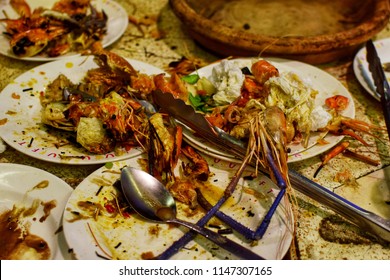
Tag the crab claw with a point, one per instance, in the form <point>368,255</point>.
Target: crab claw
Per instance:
<point>111,60</point>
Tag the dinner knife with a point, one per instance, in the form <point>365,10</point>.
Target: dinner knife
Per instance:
<point>380,80</point>
<point>366,220</point>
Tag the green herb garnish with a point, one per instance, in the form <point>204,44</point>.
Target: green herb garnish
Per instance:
<point>191,79</point>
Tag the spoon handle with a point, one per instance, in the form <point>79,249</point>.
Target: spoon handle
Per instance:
<point>223,242</point>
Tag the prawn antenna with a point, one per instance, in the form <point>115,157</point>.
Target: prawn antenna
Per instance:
<point>274,41</point>
<point>318,170</point>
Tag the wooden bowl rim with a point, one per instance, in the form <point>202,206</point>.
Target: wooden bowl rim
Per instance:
<point>291,44</point>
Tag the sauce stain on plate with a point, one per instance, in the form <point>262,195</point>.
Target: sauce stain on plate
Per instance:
<point>17,242</point>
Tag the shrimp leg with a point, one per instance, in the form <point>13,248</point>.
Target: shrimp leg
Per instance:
<point>237,226</point>
<point>334,152</point>
<point>178,244</point>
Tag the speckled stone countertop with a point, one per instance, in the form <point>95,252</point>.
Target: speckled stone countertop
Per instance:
<point>155,36</point>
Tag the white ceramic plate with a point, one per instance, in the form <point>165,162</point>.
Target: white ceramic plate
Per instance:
<point>360,66</point>
<point>17,184</point>
<point>117,23</point>
<point>22,110</point>
<point>129,238</point>
<point>327,86</point>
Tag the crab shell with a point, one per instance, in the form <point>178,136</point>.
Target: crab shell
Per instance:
<point>111,60</point>
<point>33,41</point>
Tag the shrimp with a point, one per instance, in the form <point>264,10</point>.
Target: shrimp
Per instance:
<point>142,85</point>
<point>276,126</point>
<point>346,126</point>
<point>174,85</point>
<point>198,168</point>
<point>163,145</point>
<point>113,119</point>
<point>184,190</point>
<point>337,102</point>
<point>251,89</point>
<point>266,148</point>
<point>232,113</point>
<point>263,70</point>
<point>216,118</point>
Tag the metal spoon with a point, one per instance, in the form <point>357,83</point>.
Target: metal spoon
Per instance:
<point>153,201</point>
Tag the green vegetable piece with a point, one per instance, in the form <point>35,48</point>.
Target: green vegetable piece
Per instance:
<point>191,79</point>
<point>206,86</point>
<point>108,165</point>
<point>196,101</point>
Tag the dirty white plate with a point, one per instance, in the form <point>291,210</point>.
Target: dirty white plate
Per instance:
<point>17,184</point>
<point>20,114</point>
<point>361,70</point>
<point>318,79</point>
<point>132,237</point>
<point>117,23</point>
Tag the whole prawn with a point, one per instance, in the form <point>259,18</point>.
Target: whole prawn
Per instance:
<point>164,146</point>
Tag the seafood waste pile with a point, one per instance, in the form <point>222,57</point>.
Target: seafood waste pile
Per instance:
<point>68,26</point>
<point>237,94</point>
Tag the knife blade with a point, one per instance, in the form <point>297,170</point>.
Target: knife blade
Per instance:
<point>366,220</point>
<point>380,81</point>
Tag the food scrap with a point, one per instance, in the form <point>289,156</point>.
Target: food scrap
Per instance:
<point>68,26</point>
<point>3,121</point>
<point>17,242</point>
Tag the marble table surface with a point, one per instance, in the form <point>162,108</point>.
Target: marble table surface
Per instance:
<point>155,35</point>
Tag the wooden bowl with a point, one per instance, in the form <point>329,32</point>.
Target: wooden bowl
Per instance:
<point>317,31</point>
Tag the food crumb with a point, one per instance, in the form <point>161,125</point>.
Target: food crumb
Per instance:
<point>15,96</point>
<point>147,255</point>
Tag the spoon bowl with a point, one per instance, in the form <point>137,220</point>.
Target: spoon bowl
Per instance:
<point>152,200</point>
<point>146,194</point>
